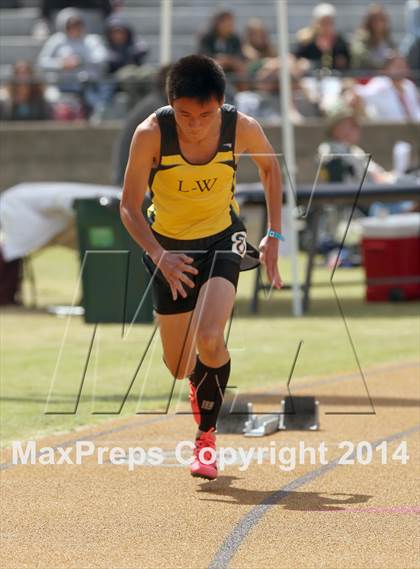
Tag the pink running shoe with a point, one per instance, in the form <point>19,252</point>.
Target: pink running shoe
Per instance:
<point>198,468</point>
<point>194,403</point>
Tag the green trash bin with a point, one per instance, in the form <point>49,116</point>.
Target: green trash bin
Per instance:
<point>114,279</point>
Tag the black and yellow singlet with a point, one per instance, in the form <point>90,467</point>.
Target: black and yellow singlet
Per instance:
<point>190,201</point>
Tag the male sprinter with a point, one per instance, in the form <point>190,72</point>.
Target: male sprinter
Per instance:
<point>195,243</point>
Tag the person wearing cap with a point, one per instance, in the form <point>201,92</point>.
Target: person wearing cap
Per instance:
<point>123,47</point>
<point>126,66</point>
<point>320,43</point>
<point>76,58</point>
<point>342,160</point>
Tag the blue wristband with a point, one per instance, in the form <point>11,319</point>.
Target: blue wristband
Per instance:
<point>276,234</point>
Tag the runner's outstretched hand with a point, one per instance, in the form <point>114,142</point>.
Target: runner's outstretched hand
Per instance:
<point>269,253</point>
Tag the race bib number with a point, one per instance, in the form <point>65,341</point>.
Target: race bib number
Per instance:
<point>239,243</point>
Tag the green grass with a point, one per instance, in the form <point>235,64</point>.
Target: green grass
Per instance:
<point>263,348</point>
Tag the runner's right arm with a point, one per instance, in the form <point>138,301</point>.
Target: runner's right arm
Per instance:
<point>144,150</point>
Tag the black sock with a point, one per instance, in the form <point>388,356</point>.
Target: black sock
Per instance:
<point>210,383</point>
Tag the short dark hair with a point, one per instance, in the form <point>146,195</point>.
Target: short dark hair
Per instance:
<point>196,77</point>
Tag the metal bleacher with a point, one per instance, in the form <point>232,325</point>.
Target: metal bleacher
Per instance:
<point>190,17</point>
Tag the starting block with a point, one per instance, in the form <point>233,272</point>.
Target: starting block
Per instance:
<point>233,415</point>
<point>261,425</point>
<point>296,413</point>
<point>299,414</point>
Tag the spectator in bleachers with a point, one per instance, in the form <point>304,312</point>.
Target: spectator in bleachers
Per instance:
<point>337,91</point>
<point>391,96</point>
<point>123,48</point>
<point>222,43</point>
<point>342,160</point>
<point>262,62</point>
<point>341,157</point>
<point>320,43</point>
<point>372,42</point>
<point>78,59</point>
<point>256,43</point>
<point>263,68</point>
<point>126,58</point>
<point>410,46</point>
<point>262,102</point>
<point>351,99</point>
<point>23,98</point>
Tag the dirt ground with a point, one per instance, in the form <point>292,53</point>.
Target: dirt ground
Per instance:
<point>311,516</point>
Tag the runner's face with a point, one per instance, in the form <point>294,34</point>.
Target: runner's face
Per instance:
<point>196,119</point>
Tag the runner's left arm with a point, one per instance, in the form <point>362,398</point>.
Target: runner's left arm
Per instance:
<point>253,141</point>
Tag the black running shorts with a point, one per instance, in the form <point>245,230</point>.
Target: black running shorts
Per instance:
<point>224,254</point>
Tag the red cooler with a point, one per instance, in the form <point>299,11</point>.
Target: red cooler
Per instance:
<point>391,257</point>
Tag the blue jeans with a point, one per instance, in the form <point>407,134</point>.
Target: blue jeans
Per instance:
<point>397,207</point>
